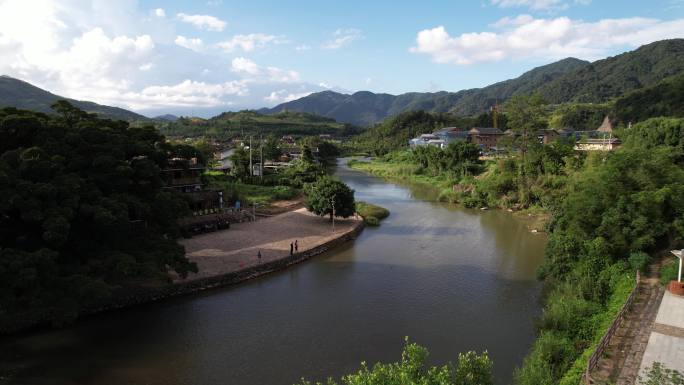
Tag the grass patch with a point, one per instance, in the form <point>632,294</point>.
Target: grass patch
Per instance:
<point>249,193</point>
<point>669,272</point>
<point>372,214</point>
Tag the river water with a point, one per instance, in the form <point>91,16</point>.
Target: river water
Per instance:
<point>451,279</point>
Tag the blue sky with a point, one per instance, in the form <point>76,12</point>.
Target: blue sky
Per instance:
<point>203,57</point>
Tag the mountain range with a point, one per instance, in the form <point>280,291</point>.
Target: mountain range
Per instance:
<point>20,94</point>
<point>568,80</point>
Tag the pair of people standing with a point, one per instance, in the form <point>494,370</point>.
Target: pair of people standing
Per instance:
<point>293,247</point>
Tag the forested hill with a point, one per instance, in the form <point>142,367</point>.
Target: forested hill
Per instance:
<point>617,75</point>
<point>248,122</point>
<point>20,94</point>
<point>568,80</point>
<point>366,108</point>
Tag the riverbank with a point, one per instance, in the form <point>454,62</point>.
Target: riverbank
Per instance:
<point>231,256</point>
<point>535,217</point>
<point>250,244</point>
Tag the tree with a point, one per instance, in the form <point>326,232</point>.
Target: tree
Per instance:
<point>272,149</point>
<point>327,194</point>
<point>240,159</point>
<point>526,115</point>
<point>307,155</point>
<point>471,369</point>
<point>84,210</point>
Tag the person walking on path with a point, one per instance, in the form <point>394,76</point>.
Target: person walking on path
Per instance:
<point>259,255</point>
<point>291,248</point>
<point>296,245</point>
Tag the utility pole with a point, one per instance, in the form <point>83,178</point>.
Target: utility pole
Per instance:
<point>332,203</point>
<point>251,169</point>
<point>261,158</point>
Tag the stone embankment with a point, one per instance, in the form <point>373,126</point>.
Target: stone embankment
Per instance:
<point>232,256</point>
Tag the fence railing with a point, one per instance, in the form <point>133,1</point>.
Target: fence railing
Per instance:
<point>605,340</point>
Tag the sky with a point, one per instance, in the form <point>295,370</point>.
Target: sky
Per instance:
<point>207,56</point>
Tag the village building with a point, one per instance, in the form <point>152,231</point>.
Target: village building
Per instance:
<point>185,176</point>
<point>600,139</point>
<point>485,136</point>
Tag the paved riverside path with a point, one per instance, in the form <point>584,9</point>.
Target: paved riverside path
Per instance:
<point>666,342</point>
<point>234,249</point>
<point>620,363</point>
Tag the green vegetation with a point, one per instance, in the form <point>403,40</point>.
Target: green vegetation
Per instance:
<point>22,95</point>
<point>83,212</point>
<point>230,125</point>
<point>669,272</point>
<point>327,196</point>
<point>470,369</point>
<point>250,194</point>
<point>371,214</point>
<point>605,79</point>
<point>609,212</point>
<point>658,374</point>
<point>366,109</point>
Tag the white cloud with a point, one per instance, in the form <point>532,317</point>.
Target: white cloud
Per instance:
<point>254,72</point>
<point>368,81</point>
<point>342,37</point>
<point>245,66</point>
<point>194,44</point>
<point>552,38</point>
<point>303,47</point>
<point>123,54</point>
<point>539,5</point>
<point>248,43</point>
<point>188,93</point>
<point>159,12</point>
<point>512,21</point>
<point>282,96</point>
<point>280,75</point>
<point>207,22</point>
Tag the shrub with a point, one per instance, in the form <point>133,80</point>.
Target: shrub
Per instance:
<point>639,261</point>
<point>669,272</point>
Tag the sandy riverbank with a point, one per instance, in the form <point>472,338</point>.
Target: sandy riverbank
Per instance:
<point>236,249</point>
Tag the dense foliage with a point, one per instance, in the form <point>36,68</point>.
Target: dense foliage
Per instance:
<point>663,99</point>
<point>229,125</point>
<point>610,211</point>
<point>612,77</point>
<point>327,195</point>
<point>394,133</point>
<point>470,369</point>
<point>83,211</point>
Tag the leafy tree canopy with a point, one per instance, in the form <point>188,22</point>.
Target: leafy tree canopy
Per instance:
<point>470,369</point>
<point>83,211</point>
<point>327,193</point>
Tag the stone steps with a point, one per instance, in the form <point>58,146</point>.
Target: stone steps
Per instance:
<point>623,355</point>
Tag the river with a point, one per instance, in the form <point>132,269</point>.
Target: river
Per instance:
<point>451,279</point>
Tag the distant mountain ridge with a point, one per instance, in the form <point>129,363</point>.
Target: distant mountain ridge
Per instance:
<point>568,80</point>
<point>20,94</point>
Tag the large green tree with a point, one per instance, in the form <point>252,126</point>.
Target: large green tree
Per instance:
<point>272,150</point>
<point>84,211</point>
<point>327,194</point>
